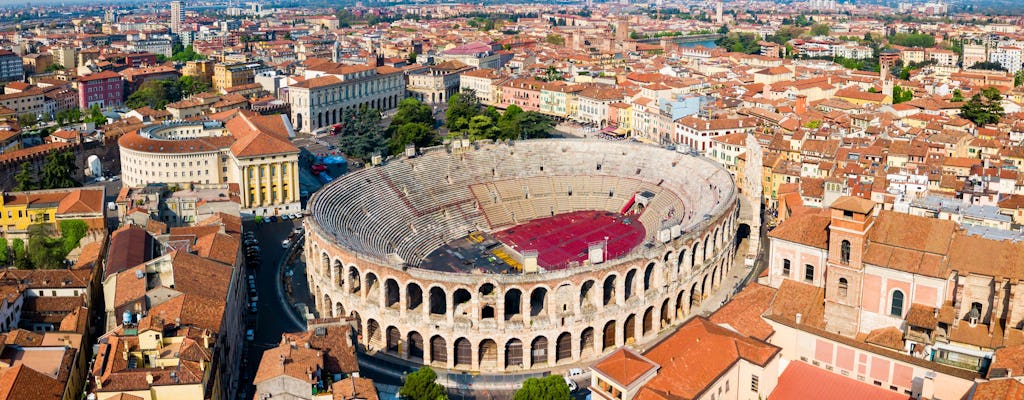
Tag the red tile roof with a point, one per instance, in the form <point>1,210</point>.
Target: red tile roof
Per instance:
<point>801,381</point>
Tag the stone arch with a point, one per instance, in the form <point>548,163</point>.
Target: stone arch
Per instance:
<point>354,281</point>
<point>693,255</point>
<point>438,350</point>
<point>358,322</point>
<point>463,353</point>
<point>563,347</point>
<point>413,296</point>
<point>608,291</point>
<point>629,286</point>
<point>415,343</point>
<point>487,355</point>
<point>461,299</point>
<point>608,336</point>
<point>514,353</point>
<point>513,303</point>
<point>339,309</point>
<point>438,301</point>
<point>587,297</point>
<point>704,254</point>
<point>325,263</point>
<point>539,301</point>
<point>539,351</point>
<point>561,299</point>
<point>372,290</point>
<point>587,342</point>
<point>648,322</point>
<point>716,240</point>
<point>681,261</point>
<point>669,256</point>
<point>326,305</point>
<point>392,295</point>
<point>392,339</point>
<point>373,335</point>
<point>629,329</point>
<point>648,278</point>
<point>338,274</point>
<point>666,317</point>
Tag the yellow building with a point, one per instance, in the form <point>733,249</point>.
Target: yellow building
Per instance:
<point>19,210</point>
<point>200,69</point>
<point>239,147</point>
<point>227,75</point>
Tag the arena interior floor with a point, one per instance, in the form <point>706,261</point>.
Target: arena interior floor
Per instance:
<point>565,238</point>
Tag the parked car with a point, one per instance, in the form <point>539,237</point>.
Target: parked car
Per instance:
<point>273,218</point>
<point>285,243</point>
<point>297,215</point>
<point>250,334</point>
<point>298,230</point>
<point>253,308</point>
<point>572,384</point>
<point>285,217</point>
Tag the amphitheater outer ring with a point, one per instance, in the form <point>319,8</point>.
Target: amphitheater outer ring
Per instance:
<point>585,312</point>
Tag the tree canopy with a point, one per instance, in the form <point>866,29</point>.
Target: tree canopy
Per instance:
<point>361,133</point>
<point>466,116</point>
<point>901,95</point>
<point>983,108</point>
<point>422,385</point>
<point>912,40</point>
<point>157,94</point>
<point>551,387</point>
<point>740,42</point>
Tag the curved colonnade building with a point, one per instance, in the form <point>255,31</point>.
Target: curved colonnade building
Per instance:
<point>375,238</point>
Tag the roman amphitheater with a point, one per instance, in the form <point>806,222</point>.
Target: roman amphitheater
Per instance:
<point>520,256</point>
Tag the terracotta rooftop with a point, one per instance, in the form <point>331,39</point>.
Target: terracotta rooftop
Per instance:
<point>801,381</point>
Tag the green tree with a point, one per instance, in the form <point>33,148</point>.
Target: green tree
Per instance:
<point>740,42</point>
<point>361,134</point>
<point>96,116</point>
<point>551,387</point>
<point>723,30</point>
<point>900,95</point>
<point>413,111</point>
<point>422,385</point>
<point>820,30</point>
<point>1018,78</point>
<point>958,96</point>
<point>58,170</point>
<point>72,231</point>
<point>25,179</point>
<point>912,40</point>
<point>534,125</point>
<point>983,108</point>
<point>461,108</point>
<point>813,124</point>
<point>4,257</point>
<point>482,127</point>
<point>151,93</point>
<point>54,67</point>
<point>989,65</point>
<point>44,251</point>
<point>18,248</point>
<point>555,39</point>
<point>412,133</point>
<point>27,119</point>
<point>189,85</point>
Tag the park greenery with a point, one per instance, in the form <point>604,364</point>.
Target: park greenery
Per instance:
<point>157,94</point>
<point>181,54</point>
<point>45,249</point>
<point>56,173</point>
<point>900,95</point>
<point>413,123</point>
<point>983,108</point>
<point>422,385</point>
<point>912,40</point>
<point>551,387</point>
<point>465,115</point>
<point>555,39</point>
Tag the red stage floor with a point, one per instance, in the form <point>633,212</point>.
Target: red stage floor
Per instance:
<point>564,238</point>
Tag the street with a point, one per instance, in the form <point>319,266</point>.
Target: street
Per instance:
<point>270,321</point>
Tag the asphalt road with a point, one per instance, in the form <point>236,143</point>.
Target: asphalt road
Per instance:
<point>268,322</point>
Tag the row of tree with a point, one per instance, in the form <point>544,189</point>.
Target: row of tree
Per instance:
<point>466,115</point>
<point>157,94</point>
<point>56,173</point>
<point>422,385</point>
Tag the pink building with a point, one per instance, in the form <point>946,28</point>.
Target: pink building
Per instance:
<point>524,93</point>
<point>105,89</point>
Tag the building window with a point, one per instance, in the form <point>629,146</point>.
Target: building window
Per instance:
<point>785,267</point>
<point>808,273</point>
<point>753,383</point>
<point>844,252</point>
<point>975,314</point>
<point>843,287</point>
<point>896,309</point>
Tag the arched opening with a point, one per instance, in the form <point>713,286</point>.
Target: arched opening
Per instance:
<point>704,254</point>
<point>338,273</point>
<point>513,303</point>
<point>393,337</point>
<point>648,277</point>
<point>609,290</point>
<point>630,283</point>
<point>703,286</point>
<point>539,351</point>
<point>373,337</point>
<point>538,302</point>
<point>486,290</point>
<point>808,273</point>
<point>693,256</point>
<point>415,342</point>
<point>325,305</point>
<point>742,232</point>
<point>587,342</point>
<point>681,302</point>
<point>629,329</point>
<point>298,122</point>
<point>609,336</point>
<point>358,322</point>
<point>488,354</point>
<point>353,278</point>
<point>463,353</point>
<point>372,287</point>
<point>413,296</point>
<point>844,252</point>
<point>716,240</point>
<point>563,347</point>
<point>438,301</point>
<point>514,353</point>
<point>460,302</point>
<point>438,350</point>
<point>844,287</point>
<point>391,294</point>
<point>665,318</point>
<point>896,306</point>
<point>587,303</point>
<point>648,325</point>
<point>339,310</point>
<point>695,296</point>
<point>681,262</point>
